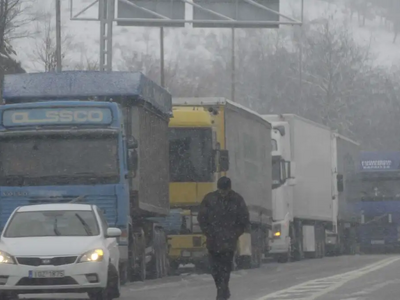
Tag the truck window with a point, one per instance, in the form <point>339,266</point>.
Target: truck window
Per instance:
<point>380,190</point>
<point>57,160</point>
<point>190,154</point>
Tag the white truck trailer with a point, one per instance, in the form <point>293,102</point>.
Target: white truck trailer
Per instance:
<point>303,206</point>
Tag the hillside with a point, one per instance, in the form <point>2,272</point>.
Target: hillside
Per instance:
<point>81,39</point>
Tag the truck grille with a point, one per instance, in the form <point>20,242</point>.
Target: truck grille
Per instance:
<point>55,261</point>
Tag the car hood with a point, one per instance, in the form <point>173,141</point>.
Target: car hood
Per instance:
<point>49,246</point>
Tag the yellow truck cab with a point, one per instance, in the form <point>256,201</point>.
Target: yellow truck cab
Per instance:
<point>201,132</point>
<point>193,148</point>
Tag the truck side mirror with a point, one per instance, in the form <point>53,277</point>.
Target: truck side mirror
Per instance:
<point>281,129</point>
<point>223,160</point>
<point>291,171</point>
<point>133,160</point>
<point>213,161</point>
<point>132,143</point>
<point>288,168</point>
<point>340,184</point>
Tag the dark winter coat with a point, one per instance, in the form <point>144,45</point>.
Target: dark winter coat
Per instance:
<point>223,220</point>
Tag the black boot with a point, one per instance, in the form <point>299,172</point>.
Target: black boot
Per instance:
<point>221,294</point>
<point>227,293</point>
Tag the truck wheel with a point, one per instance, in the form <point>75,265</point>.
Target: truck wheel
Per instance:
<point>285,258</point>
<point>157,268</point>
<point>164,260</point>
<point>8,296</point>
<point>142,272</point>
<point>123,273</point>
<point>173,268</point>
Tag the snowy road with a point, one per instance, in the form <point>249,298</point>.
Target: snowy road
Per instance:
<point>336,278</point>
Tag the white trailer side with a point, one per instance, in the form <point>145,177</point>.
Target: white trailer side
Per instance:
<point>311,155</point>
<point>248,139</point>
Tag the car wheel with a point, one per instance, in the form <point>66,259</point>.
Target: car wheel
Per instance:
<point>99,295</point>
<point>112,289</point>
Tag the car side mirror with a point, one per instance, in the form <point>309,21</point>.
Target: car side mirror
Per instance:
<point>113,232</point>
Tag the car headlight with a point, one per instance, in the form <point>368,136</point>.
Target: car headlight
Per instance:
<point>6,258</point>
<point>92,256</point>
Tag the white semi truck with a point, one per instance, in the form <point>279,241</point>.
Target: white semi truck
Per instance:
<point>308,187</point>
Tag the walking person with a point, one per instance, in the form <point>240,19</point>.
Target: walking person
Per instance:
<point>223,218</point>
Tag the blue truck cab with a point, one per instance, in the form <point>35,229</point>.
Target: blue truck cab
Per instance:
<point>91,137</point>
<point>379,208</point>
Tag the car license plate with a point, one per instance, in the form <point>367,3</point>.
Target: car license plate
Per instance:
<point>377,242</point>
<point>46,274</point>
<point>185,253</point>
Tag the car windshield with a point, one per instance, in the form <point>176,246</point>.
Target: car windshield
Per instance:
<point>52,223</point>
<point>58,159</point>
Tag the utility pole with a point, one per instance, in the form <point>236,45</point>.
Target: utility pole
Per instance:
<point>233,66</point>
<point>162,57</point>
<point>58,36</point>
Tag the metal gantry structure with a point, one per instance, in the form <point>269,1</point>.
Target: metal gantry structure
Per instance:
<point>107,16</point>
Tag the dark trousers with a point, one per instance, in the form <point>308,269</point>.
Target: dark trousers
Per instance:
<point>221,268</point>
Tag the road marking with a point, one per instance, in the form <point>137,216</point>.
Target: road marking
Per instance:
<point>313,289</point>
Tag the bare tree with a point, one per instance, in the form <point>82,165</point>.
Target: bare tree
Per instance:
<point>44,51</point>
<point>11,27</point>
<point>87,65</point>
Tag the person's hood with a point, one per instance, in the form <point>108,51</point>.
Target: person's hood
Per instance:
<point>50,246</point>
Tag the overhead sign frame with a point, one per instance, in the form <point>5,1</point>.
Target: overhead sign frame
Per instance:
<point>160,13</point>
<point>204,14</point>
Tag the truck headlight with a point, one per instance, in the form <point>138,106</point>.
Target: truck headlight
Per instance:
<point>92,256</point>
<point>6,258</point>
<point>277,229</point>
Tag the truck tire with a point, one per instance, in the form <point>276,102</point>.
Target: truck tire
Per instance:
<point>164,256</point>
<point>158,266</point>
<point>173,268</point>
<point>123,273</point>
<point>287,257</point>
<point>298,253</point>
<point>8,296</point>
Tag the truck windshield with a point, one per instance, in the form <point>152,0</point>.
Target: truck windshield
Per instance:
<point>58,160</point>
<point>52,223</point>
<point>380,190</point>
<point>190,155</point>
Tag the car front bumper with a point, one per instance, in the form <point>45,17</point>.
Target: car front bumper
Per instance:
<point>78,277</point>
